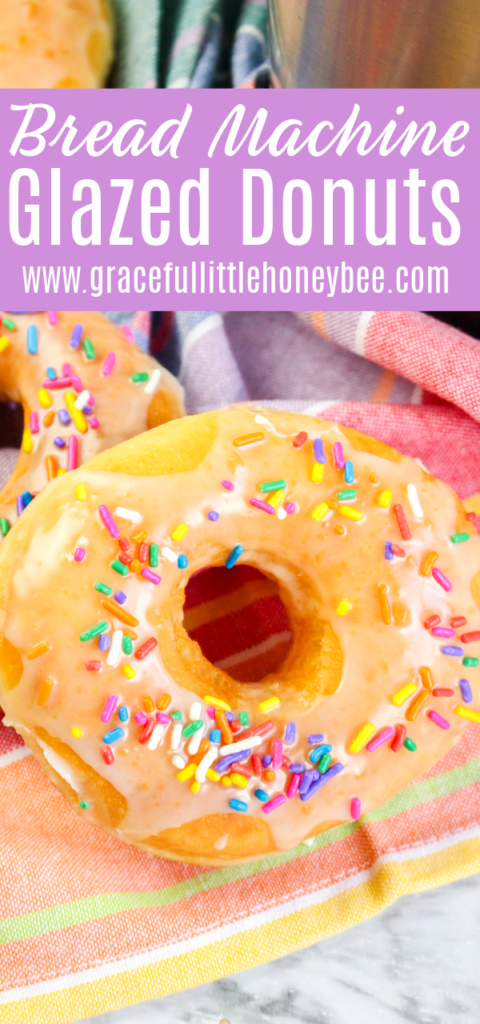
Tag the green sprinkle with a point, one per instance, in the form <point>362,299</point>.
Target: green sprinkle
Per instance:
<point>409,744</point>
<point>176,715</point>
<point>153,556</point>
<point>273,485</point>
<point>192,727</point>
<point>84,804</point>
<point>138,377</point>
<point>459,538</point>
<point>103,588</point>
<point>94,631</point>
<point>243,718</point>
<point>470,662</point>
<point>88,348</point>
<point>324,763</point>
<point>346,495</point>
<point>4,527</point>
<point>119,567</point>
<point>127,645</point>
<point>8,323</point>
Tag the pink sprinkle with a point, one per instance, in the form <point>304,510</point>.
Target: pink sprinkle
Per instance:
<point>338,455</point>
<point>152,576</point>
<point>34,427</point>
<point>108,521</point>
<point>93,422</point>
<point>289,508</point>
<point>58,383</point>
<point>275,802</point>
<point>140,718</point>
<point>163,719</point>
<point>110,705</point>
<point>52,319</point>
<point>382,737</point>
<point>227,485</point>
<point>443,631</point>
<point>72,452</point>
<point>76,383</point>
<point>262,505</point>
<point>108,364</point>
<point>277,754</point>
<point>355,808</point>
<point>79,554</point>
<point>129,335</point>
<point>441,722</point>
<point>441,579</point>
<point>293,785</point>
<point>211,712</point>
<point>66,369</point>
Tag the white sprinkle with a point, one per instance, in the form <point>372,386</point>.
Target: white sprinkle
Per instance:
<point>152,383</point>
<point>246,744</point>
<point>115,647</point>
<point>281,512</point>
<point>127,513</point>
<point>82,400</point>
<point>195,711</point>
<point>221,843</point>
<point>414,501</point>
<point>176,738</point>
<point>195,740</point>
<point>178,762</point>
<point>206,763</point>
<point>168,554</point>
<point>155,737</point>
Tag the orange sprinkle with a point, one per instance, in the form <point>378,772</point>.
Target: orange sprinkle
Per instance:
<point>44,692</point>
<point>426,677</point>
<point>148,704</point>
<point>373,478</point>
<point>202,750</point>
<point>384,604</point>
<point>130,633</point>
<point>52,468</point>
<point>38,649</point>
<point>248,439</point>
<point>227,734</point>
<point>269,776</point>
<point>429,564</point>
<point>135,565</point>
<point>119,612</point>
<point>140,536</point>
<point>339,529</point>
<point>333,503</point>
<point>164,701</point>
<point>48,418</point>
<point>416,705</point>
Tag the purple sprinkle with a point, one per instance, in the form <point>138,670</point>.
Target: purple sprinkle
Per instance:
<point>240,755</point>
<point>289,508</point>
<point>59,442</point>
<point>441,579</point>
<point>76,335</point>
<point>267,760</point>
<point>290,733</point>
<point>388,550</point>
<point>318,450</point>
<point>110,705</point>
<point>140,718</point>
<point>297,769</point>
<point>20,505</point>
<point>163,719</point>
<point>227,485</point>
<point>87,409</point>
<point>441,722</point>
<point>213,516</point>
<point>443,631</point>
<point>103,642</point>
<point>338,460</point>
<point>315,737</point>
<point>151,576</point>
<point>108,521</point>
<point>308,778</point>
<point>263,505</point>
<point>318,783</point>
<point>64,417</point>
<point>455,652</point>
<point>229,715</point>
<point>120,597</point>
<point>79,554</point>
<point>466,691</point>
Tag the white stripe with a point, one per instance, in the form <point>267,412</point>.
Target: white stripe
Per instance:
<point>266,645</point>
<point>180,83</point>
<point>14,755</point>
<point>362,326</point>
<point>209,324</point>
<point>227,931</point>
<point>251,30</point>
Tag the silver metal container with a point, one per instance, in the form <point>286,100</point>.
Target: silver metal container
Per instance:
<point>367,44</point>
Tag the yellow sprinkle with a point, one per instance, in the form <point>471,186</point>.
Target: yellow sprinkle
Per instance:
<point>473,716</point>
<point>38,649</point>
<point>188,772</point>
<point>239,442</point>
<point>268,705</point>
<point>45,398</point>
<point>276,498</point>
<point>349,513</point>
<point>216,702</point>
<point>212,775</point>
<point>384,499</point>
<point>60,472</point>
<point>179,532</point>
<point>195,786</point>
<point>239,780</point>
<point>226,780</point>
<point>27,443</point>
<point>76,732</point>
<point>76,414</point>
<point>343,607</point>
<point>129,671</point>
<point>4,342</point>
<point>362,738</point>
<point>81,492</point>
<point>429,564</point>
<point>402,695</point>
<point>321,510</point>
<point>317,472</point>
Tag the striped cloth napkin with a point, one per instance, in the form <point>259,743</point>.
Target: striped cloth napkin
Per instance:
<point>87,924</point>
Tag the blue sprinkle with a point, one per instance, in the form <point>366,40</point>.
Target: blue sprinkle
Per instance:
<point>455,652</point>
<point>297,769</point>
<point>76,335</point>
<point>103,642</point>
<point>267,760</point>
<point>262,795</point>
<point>315,737</point>
<point>27,498</point>
<point>215,736</point>
<point>59,442</point>
<point>238,805</point>
<point>290,733</point>
<point>182,561</point>
<point>348,473</point>
<point>32,339</point>
<point>310,776</point>
<point>120,597</point>
<point>466,691</point>
<point>234,556</point>
<point>114,734</point>
<point>213,516</point>
<point>87,409</point>
<point>51,373</point>
<point>64,417</point>
<point>318,450</point>
<point>316,754</point>
<point>388,550</point>
<point>20,505</point>
<point>229,715</point>
<point>322,779</point>
<point>123,713</point>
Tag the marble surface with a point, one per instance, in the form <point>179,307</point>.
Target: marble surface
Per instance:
<point>417,962</point>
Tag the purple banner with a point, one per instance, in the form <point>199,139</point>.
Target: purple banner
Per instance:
<point>263,199</point>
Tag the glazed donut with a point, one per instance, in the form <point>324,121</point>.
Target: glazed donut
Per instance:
<point>55,44</point>
<point>379,573</point>
<point>54,363</point>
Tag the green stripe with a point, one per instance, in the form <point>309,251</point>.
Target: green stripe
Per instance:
<point>93,908</point>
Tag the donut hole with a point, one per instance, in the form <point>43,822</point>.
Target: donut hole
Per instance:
<point>11,424</point>
<point>239,620</point>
